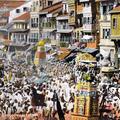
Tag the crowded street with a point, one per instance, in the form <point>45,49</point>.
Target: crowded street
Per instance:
<point>29,90</point>
<point>59,60</point>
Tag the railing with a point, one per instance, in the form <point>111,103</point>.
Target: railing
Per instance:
<point>63,27</point>
<point>84,0</point>
<point>64,44</point>
<point>105,18</point>
<point>87,9</point>
<point>88,27</point>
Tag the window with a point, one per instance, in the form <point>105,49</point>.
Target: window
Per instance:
<point>40,3</point>
<point>84,20</point>
<point>65,7</point>
<point>88,4</point>
<point>104,10</point>
<point>88,20</point>
<point>17,10</point>
<point>25,9</point>
<point>34,22</point>
<point>114,23</point>
<point>106,33</point>
<point>37,3</point>
<point>75,35</point>
<point>110,7</point>
<point>83,4</point>
<point>78,35</point>
<point>72,13</point>
<point>49,3</point>
<point>34,37</point>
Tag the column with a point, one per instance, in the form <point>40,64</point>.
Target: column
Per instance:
<point>20,38</point>
<point>25,40</point>
<point>11,36</point>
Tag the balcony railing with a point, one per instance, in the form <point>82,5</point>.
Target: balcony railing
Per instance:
<point>88,27</point>
<point>105,18</point>
<point>63,27</point>
<point>84,0</point>
<point>87,10</point>
<point>16,40</point>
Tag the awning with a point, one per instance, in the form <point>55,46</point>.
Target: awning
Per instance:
<point>87,38</point>
<point>89,50</point>
<point>49,30</point>
<point>65,31</point>
<point>105,53</point>
<point>109,69</point>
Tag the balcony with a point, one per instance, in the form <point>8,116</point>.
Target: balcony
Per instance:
<point>19,41</point>
<point>106,42</point>
<point>64,17</point>
<point>64,29</point>
<point>15,30</point>
<point>84,0</point>
<point>88,27</point>
<point>105,18</point>
<point>87,10</point>
<point>3,20</point>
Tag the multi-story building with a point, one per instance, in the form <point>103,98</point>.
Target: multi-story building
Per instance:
<point>11,9</point>
<point>18,11</point>
<point>106,45</point>
<point>19,32</point>
<point>8,5</point>
<point>36,7</point>
<point>5,7</point>
<point>34,21</point>
<point>115,33</point>
<point>64,30</point>
<point>82,16</point>
<point>89,32</point>
<point>48,20</point>
<point>78,21</point>
<point>72,12</point>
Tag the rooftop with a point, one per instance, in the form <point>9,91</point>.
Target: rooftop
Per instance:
<point>6,14</point>
<point>52,8</point>
<point>25,16</point>
<point>11,3</point>
<point>115,10</point>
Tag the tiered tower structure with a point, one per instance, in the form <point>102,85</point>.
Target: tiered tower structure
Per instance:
<point>86,102</point>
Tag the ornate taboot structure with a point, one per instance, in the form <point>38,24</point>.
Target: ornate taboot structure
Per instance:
<point>86,103</point>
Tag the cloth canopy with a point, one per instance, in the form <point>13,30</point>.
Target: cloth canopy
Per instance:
<point>89,50</point>
<point>87,37</point>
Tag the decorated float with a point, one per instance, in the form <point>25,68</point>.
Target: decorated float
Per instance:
<point>40,53</point>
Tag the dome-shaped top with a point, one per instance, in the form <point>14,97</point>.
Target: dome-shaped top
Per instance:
<point>41,43</point>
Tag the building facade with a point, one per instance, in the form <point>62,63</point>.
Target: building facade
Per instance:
<point>19,10</point>
<point>37,6</point>
<point>106,45</point>
<point>64,30</point>
<point>48,26</point>
<point>34,21</point>
<point>115,33</point>
<point>5,8</point>
<point>19,32</point>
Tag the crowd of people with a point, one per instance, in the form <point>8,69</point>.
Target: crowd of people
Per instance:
<point>21,95</point>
